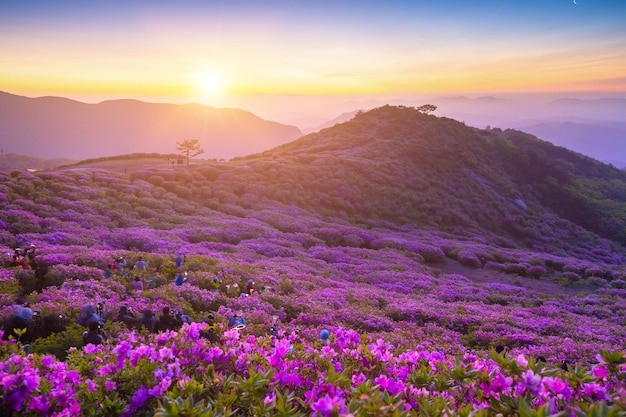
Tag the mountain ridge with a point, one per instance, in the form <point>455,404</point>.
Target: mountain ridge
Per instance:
<point>60,127</point>
<point>461,170</point>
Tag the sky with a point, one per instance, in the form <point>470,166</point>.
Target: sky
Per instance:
<point>223,53</point>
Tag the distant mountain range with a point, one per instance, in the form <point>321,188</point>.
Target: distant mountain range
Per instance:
<point>605,141</point>
<point>593,127</point>
<point>53,127</point>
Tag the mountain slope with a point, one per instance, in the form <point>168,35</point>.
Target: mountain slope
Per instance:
<point>57,127</point>
<point>396,164</point>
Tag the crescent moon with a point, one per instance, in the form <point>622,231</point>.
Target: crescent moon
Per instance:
<point>575,2</point>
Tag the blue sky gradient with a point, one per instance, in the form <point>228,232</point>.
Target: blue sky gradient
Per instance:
<point>162,48</point>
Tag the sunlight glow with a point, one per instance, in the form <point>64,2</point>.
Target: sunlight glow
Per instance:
<point>212,83</point>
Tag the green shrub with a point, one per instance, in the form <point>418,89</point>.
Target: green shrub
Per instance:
<point>8,291</point>
<point>469,259</point>
<point>517,269</point>
<point>57,344</point>
<point>285,287</point>
<point>26,279</point>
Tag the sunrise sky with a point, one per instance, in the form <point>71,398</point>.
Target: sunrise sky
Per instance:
<point>214,51</point>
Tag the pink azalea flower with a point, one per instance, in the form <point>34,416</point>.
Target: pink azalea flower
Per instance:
<point>90,349</point>
<point>8,381</point>
<point>403,373</point>
<point>31,380</point>
<point>595,392</point>
<point>382,381</point>
<point>531,381</point>
<point>140,397</point>
<point>47,361</point>
<point>501,383</point>
<point>358,379</point>
<point>270,398</point>
<point>39,404</point>
<point>556,386</point>
<point>90,385</point>
<point>183,381</point>
<point>600,372</point>
<point>324,406</point>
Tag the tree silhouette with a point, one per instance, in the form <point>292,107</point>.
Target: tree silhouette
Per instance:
<point>189,148</point>
<point>427,108</point>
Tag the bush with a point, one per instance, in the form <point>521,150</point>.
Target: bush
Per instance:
<point>469,259</point>
<point>496,266</point>
<point>536,271</point>
<point>555,265</point>
<point>517,269</point>
<point>431,254</point>
<point>569,277</point>
<point>285,287</point>
<point>57,344</point>
<point>618,283</point>
<point>27,280</point>
<point>597,281</point>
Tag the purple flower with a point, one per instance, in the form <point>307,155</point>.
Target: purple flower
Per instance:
<point>90,385</point>
<point>270,398</point>
<point>556,386</point>
<point>358,379</point>
<point>8,381</point>
<point>160,389</point>
<point>288,378</point>
<point>47,361</point>
<point>600,372</point>
<point>595,392</point>
<point>531,381</point>
<point>31,380</point>
<point>324,406</point>
<point>90,349</point>
<point>140,397</point>
<point>39,404</point>
<point>500,383</point>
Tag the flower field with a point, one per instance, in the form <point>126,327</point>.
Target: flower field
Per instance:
<point>414,310</point>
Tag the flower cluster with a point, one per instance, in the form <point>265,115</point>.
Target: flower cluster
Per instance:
<point>259,375</point>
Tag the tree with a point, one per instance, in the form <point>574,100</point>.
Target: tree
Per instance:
<point>427,108</point>
<point>189,148</point>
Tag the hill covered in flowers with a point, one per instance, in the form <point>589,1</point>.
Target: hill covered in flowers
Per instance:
<point>418,243</point>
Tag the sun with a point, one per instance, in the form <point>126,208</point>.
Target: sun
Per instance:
<point>211,83</point>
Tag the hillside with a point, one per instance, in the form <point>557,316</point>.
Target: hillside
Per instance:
<point>417,243</point>
<point>52,127</point>
<point>396,164</point>
<point>10,162</point>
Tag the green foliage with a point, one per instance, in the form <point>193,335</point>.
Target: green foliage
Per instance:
<point>58,344</point>
<point>199,263</point>
<point>26,279</point>
<point>10,289</point>
<point>169,407</point>
<point>285,286</point>
<point>369,400</point>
